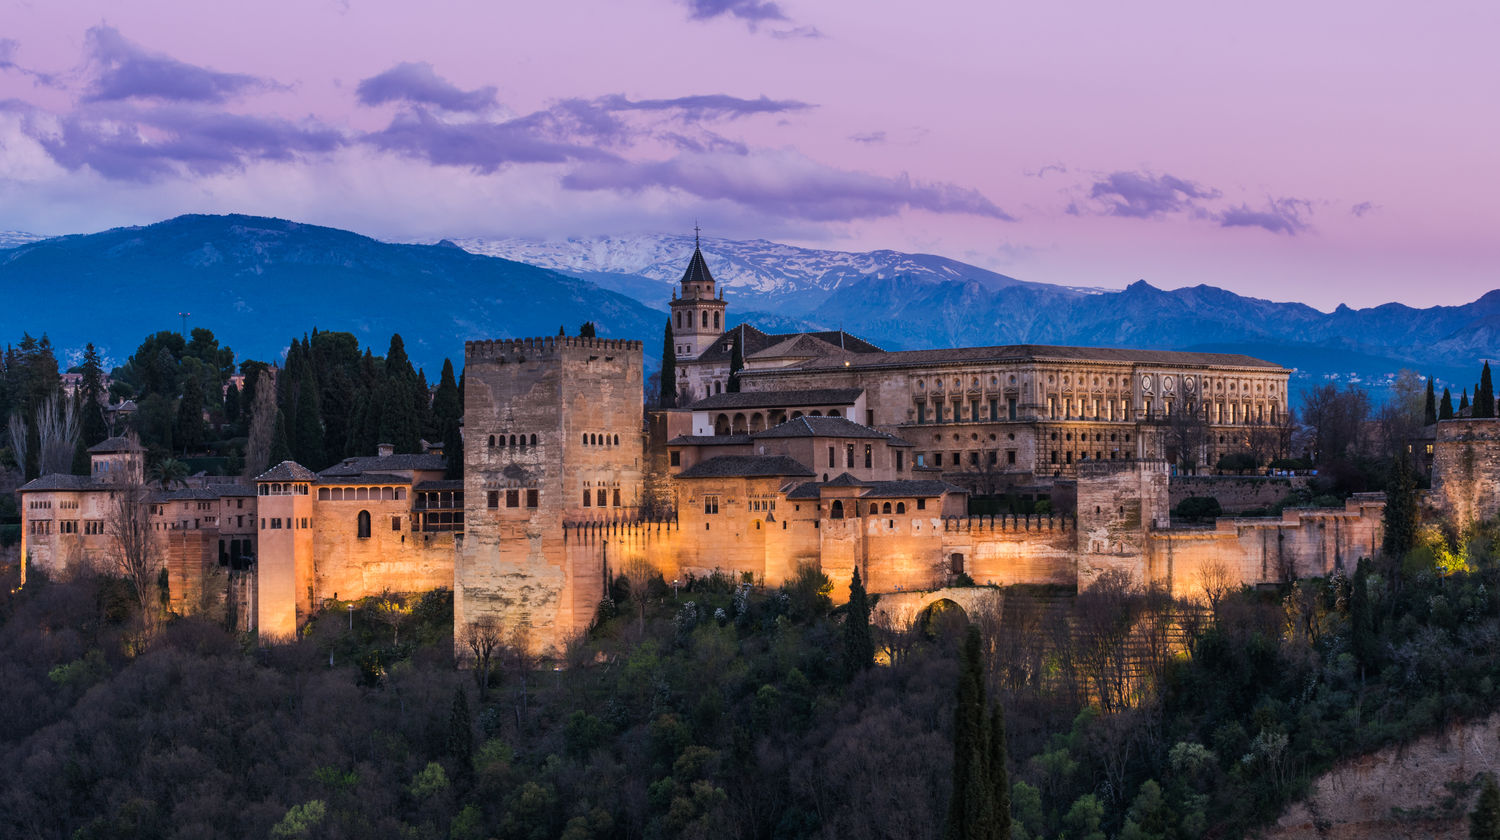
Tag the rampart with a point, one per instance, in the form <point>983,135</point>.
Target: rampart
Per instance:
<point>1466,470</point>
<point>1236,493</point>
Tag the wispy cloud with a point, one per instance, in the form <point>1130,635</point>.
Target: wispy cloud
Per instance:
<point>484,146</point>
<point>784,182</point>
<point>1280,215</point>
<point>416,82</point>
<point>705,106</point>
<point>1142,195</point>
<point>868,137</point>
<point>126,71</point>
<point>748,10</point>
<point>1360,209</point>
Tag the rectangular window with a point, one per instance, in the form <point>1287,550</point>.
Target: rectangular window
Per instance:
<point>994,457</point>
<point>710,504</point>
<point>512,498</point>
<point>848,456</point>
<point>602,497</point>
<point>676,458</point>
<point>921,412</point>
<point>617,497</point>
<point>937,459</point>
<point>869,417</point>
<point>492,499</point>
<point>67,526</point>
<point>994,409</point>
<point>395,523</point>
<point>588,498</point>
<point>869,456</point>
<point>531,498</point>
<point>1010,456</point>
<point>921,504</point>
<point>974,459</point>
<point>973,409</point>
<point>831,462</point>
<point>900,460</point>
<point>937,410</point>
<point>1051,408</point>
<point>1054,456</point>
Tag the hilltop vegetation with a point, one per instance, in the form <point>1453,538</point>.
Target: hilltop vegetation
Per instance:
<point>730,710</point>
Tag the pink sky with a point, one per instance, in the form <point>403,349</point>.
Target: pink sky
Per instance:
<point>1330,152</point>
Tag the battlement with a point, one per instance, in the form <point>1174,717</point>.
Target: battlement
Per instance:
<point>1102,469</point>
<point>544,346</point>
<point>1464,430</point>
<point>618,529</point>
<point>1010,522</point>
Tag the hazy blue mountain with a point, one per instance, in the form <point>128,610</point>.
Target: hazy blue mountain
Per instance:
<point>12,238</point>
<point>257,282</point>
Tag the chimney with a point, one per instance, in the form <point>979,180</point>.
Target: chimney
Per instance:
<point>385,450</point>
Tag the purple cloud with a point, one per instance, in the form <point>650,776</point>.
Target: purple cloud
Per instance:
<point>1282,215</point>
<point>125,144</point>
<point>128,72</point>
<point>705,106</point>
<point>483,146</point>
<point>869,137</point>
<point>749,10</point>
<point>784,184</point>
<point>1141,195</point>
<point>416,82</point>
<point>1360,209</point>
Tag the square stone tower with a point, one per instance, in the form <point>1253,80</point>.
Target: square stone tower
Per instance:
<point>553,434</point>
<point>1119,504</point>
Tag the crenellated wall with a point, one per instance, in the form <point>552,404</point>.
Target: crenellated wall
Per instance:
<point>1466,470</point>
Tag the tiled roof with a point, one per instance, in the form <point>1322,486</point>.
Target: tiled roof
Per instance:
<point>61,481</point>
<point>184,494</point>
<point>845,480</point>
<point>778,399</point>
<point>378,464</point>
<point>749,466</point>
<point>911,488</point>
<point>362,478</point>
<point>117,443</point>
<point>446,484</point>
<point>804,426</point>
<point>1032,352</point>
<point>287,471</point>
<point>697,270</point>
<point>709,440</point>
<point>234,490</point>
<point>806,490</point>
<point>754,341</point>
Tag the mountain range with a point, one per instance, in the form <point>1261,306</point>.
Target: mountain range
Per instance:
<point>257,282</point>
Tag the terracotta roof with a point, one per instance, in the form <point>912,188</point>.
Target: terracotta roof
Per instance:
<point>709,440</point>
<point>61,481</point>
<point>117,443</point>
<point>778,399</point>
<point>754,341</point>
<point>287,471</point>
<point>363,478</point>
<point>912,488</point>
<point>1031,352</point>
<point>805,426</point>
<point>378,464</point>
<point>749,466</point>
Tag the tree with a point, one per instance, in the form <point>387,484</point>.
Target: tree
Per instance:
<point>1187,432</point>
<point>232,404</point>
<point>586,330</point>
<point>668,369</point>
<point>461,731</point>
<point>393,611</point>
<point>1429,406</point>
<point>639,572</point>
<point>168,473</point>
<point>1401,513</point>
<point>482,636</point>
<point>736,362</point>
<point>279,450</point>
<point>978,809</point>
<point>1484,395</point>
<point>1484,820</point>
<point>1337,418</point>
<point>309,425</point>
<point>859,641</point>
<point>448,414</point>
<point>188,431</point>
<point>1445,408</point>
<point>263,419</point>
<point>1463,401</point>
<point>136,555</point>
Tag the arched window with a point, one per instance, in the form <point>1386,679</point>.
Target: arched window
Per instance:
<point>901,507</point>
<point>885,508</point>
<point>705,318</point>
<point>512,441</point>
<point>757,524</point>
<point>533,440</point>
<point>364,524</point>
<point>679,320</point>
<point>836,510</point>
<point>617,440</point>
<point>492,441</point>
<point>716,320</point>
<point>585,440</point>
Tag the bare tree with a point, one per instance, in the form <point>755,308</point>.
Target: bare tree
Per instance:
<point>1336,418</point>
<point>522,660</point>
<point>137,553</point>
<point>897,642</point>
<point>1215,580</point>
<point>1187,432</point>
<point>640,573</point>
<point>18,430</point>
<point>57,432</point>
<point>482,636</point>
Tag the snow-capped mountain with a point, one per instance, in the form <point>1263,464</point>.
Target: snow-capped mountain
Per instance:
<point>755,272</point>
<point>13,238</point>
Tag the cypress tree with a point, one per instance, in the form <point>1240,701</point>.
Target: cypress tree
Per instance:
<point>279,451</point>
<point>1362,618</point>
<point>586,330</point>
<point>1463,401</point>
<point>1484,395</point>
<point>453,440</point>
<point>859,642</point>
<point>1445,408</point>
<point>189,427</point>
<point>736,363</point>
<point>1484,821</point>
<point>461,732</point>
<point>1400,508</point>
<point>448,413</point>
<point>999,775</point>
<point>232,404</point>
<point>668,368</point>
<point>309,425</point>
<point>1429,409</point>
<point>977,809</point>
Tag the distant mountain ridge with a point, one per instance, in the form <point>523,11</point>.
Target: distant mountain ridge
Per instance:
<point>13,238</point>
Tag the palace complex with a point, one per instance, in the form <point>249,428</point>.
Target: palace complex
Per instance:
<point>820,448</point>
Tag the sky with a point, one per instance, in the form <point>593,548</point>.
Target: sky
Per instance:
<point>1332,152</point>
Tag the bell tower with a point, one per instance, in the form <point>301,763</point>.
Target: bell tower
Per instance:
<point>697,315</point>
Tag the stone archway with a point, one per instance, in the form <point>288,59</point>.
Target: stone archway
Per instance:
<point>903,609</point>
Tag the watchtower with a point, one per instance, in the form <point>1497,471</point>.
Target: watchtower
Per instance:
<point>697,315</point>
